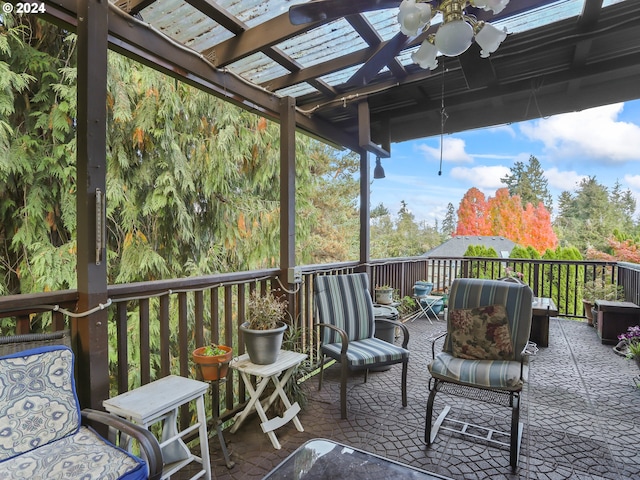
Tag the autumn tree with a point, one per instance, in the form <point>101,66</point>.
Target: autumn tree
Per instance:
<point>503,215</point>
<point>472,214</point>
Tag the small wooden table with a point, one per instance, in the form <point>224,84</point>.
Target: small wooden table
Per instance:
<point>543,309</point>
<point>159,401</point>
<point>287,361</point>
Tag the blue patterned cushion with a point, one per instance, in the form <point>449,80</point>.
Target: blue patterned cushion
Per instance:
<point>367,352</point>
<point>344,301</point>
<point>40,432</point>
<point>83,456</point>
<point>500,374</point>
<point>38,401</point>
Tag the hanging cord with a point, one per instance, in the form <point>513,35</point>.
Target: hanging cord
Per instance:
<point>58,308</point>
<point>443,119</point>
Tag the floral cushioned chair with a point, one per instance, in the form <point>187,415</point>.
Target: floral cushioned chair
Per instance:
<point>485,353</point>
<point>41,435</point>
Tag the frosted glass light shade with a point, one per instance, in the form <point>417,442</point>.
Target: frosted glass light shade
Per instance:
<point>413,16</point>
<point>454,38</point>
<point>425,56</point>
<point>489,38</point>
<point>496,5</point>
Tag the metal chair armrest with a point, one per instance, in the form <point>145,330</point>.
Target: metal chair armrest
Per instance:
<point>433,344</point>
<point>342,333</point>
<point>403,327</point>
<point>148,442</point>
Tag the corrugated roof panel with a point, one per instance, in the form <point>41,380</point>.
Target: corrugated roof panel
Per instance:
<point>323,43</point>
<point>258,68</point>
<point>296,90</point>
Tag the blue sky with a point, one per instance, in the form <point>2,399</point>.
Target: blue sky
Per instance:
<point>603,142</point>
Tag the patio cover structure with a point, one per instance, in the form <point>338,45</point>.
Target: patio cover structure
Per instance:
<point>348,82</point>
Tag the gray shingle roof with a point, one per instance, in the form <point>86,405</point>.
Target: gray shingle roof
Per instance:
<point>456,246</point>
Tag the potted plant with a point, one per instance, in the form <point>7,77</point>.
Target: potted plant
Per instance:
<point>264,329</point>
<point>598,290</point>
<point>384,295</point>
<point>629,344</point>
<point>213,361</point>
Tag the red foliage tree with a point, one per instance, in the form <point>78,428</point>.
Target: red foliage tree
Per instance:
<point>472,218</point>
<point>504,216</point>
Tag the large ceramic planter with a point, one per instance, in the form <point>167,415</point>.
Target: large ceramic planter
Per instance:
<point>263,346</point>
<point>420,289</point>
<point>213,367</point>
<point>384,295</point>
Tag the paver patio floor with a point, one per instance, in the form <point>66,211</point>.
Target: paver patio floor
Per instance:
<point>581,412</point>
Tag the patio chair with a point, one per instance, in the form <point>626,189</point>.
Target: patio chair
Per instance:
<point>43,432</point>
<point>484,356</point>
<point>345,312</point>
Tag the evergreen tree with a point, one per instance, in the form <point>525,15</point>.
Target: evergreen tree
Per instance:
<point>529,183</point>
<point>449,222</point>
<point>588,218</point>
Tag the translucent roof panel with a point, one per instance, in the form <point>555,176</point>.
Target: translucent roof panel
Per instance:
<point>187,25</point>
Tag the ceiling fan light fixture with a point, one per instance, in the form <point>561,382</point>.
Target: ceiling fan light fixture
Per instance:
<point>495,5</point>
<point>425,56</point>
<point>489,38</point>
<point>413,17</point>
<point>454,38</point>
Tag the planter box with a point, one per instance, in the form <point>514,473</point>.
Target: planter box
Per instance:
<point>613,319</point>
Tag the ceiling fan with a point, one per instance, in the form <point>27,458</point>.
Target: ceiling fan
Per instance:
<point>462,22</point>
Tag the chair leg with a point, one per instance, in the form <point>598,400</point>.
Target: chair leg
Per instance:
<point>428,421</point>
<point>405,365</point>
<point>321,372</point>
<point>516,433</point>
<point>344,374</point>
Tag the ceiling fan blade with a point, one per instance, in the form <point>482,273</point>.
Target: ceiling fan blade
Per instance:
<point>327,10</point>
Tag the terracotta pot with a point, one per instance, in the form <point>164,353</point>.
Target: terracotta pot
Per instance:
<point>213,367</point>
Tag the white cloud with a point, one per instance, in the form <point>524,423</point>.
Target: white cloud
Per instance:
<point>563,180</point>
<point>590,134</point>
<point>453,151</point>
<point>633,181</point>
<point>481,177</point>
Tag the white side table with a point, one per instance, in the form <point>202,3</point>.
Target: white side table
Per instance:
<point>159,401</point>
<point>286,362</point>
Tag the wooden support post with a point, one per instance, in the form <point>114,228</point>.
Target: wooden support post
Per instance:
<point>288,194</point>
<point>364,129</point>
<point>90,333</point>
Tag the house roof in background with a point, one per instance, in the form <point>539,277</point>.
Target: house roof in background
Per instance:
<point>457,246</point>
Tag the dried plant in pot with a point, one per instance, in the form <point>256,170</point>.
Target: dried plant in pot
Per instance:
<point>212,361</point>
<point>599,290</point>
<point>264,329</point>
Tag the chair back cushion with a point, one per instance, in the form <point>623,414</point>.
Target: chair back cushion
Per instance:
<point>344,301</point>
<point>38,402</point>
<point>469,293</point>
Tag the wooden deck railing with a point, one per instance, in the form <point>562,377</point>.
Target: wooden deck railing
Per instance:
<point>154,326</point>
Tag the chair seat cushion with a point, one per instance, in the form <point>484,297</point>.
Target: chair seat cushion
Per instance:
<point>369,351</point>
<point>82,455</point>
<point>494,374</point>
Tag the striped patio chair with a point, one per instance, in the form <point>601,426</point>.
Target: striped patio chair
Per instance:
<point>345,312</point>
<point>484,356</point>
